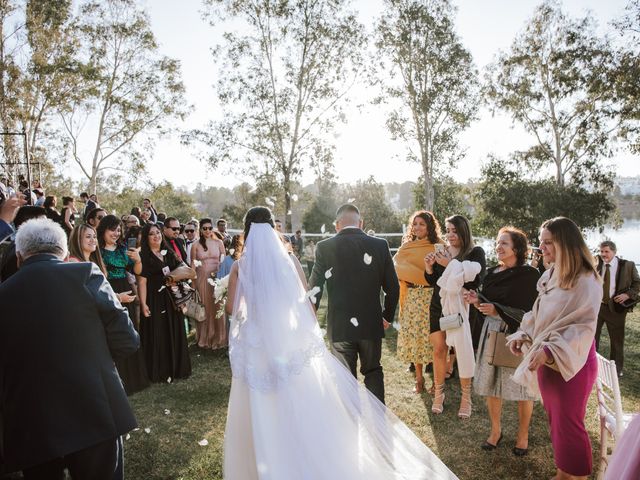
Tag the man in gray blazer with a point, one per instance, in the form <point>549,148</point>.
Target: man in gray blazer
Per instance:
<point>62,404</point>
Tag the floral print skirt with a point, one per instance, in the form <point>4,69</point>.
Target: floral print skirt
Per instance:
<point>413,338</point>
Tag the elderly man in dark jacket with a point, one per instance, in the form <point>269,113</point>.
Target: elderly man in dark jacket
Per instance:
<point>62,403</point>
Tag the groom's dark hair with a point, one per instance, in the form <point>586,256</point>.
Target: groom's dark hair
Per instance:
<point>347,207</point>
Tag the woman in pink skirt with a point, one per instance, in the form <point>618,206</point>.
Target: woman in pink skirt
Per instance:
<point>205,260</point>
<point>557,340</point>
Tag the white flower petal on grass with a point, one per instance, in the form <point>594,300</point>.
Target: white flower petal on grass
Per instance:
<point>211,282</point>
<point>294,197</point>
<point>128,436</point>
<point>197,263</point>
<point>169,379</point>
<point>351,200</point>
<point>323,228</point>
<point>163,252</point>
<point>204,442</point>
<point>367,258</point>
<point>136,429</point>
<point>162,288</point>
<point>354,321</point>
<point>328,274</point>
<point>147,430</point>
<point>396,325</point>
<point>167,411</point>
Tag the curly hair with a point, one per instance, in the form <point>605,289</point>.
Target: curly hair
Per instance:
<point>434,233</point>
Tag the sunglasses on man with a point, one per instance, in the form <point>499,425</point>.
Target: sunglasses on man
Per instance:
<point>189,231</point>
<point>175,229</point>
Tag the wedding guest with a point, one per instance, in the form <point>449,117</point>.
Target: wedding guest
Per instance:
<point>161,217</point>
<point>558,339</point>
<point>221,225</point>
<point>171,230</point>
<point>309,256</point>
<point>297,242</point>
<point>68,214</point>
<point>191,236</point>
<point>621,285</point>
<point>89,204</point>
<point>414,346</point>
<point>118,259</point>
<point>508,292</point>
<point>131,221</point>
<point>40,198</point>
<point>9,259</point>
<point>62,402</point>
<point>9,205</point>
<point>136,212</point>
<point>162,331</point>
<point>232,254</point>
<point>148,205</point>
<point>461,266</point>
<point>145,216</point>
<point>83,247</point>
<point>205,260</point>
<point>51,212</point>
<point>95,216</point>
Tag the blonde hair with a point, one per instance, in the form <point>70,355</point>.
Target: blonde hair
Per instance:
<point>573,257</point>
<point>75,246</point>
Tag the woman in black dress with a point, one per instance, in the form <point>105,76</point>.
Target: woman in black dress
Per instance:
<point>117,261</point>
<point>162,331</point>
<point>461,248</point>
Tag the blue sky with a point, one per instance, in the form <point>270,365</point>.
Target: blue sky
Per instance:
<point>363,144</point>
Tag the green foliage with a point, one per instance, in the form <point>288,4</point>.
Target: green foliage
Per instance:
<point>321,211</point>
<point>505,197</point>
<point>437,85</point>
<point>556,81</point>
<point>281,85</point>
<point>451,198</point>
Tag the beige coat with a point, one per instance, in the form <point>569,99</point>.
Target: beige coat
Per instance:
<point>562,320</point>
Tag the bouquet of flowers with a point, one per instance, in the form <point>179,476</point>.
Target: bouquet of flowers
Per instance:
<point>220,287</point>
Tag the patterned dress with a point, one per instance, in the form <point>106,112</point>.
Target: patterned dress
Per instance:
<point>413,339</point>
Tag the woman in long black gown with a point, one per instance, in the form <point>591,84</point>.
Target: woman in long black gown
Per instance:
<point>162,331</point>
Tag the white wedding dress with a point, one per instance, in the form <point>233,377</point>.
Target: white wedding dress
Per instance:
<point>295,412</point>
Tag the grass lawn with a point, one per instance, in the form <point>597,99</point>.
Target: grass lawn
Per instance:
<point>181,414</point>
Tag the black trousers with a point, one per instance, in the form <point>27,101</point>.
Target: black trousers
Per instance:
<point>103,461</point>
<point>615,326</point>
<point>369,352</point>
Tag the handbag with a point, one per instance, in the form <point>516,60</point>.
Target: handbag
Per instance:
<point>195,308</point>
<point>497,353</point>
<point>449,322</point>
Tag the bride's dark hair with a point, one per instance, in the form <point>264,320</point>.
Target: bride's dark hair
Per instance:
<point>256,215</point>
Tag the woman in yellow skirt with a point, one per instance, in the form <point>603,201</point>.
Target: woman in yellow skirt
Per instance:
<point>422,234</point>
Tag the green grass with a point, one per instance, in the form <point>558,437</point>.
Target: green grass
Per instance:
<point>198,409</point>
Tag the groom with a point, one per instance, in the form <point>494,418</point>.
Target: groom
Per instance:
<point>355,267</point>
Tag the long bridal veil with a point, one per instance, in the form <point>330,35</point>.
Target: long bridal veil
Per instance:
<point>295,412</point>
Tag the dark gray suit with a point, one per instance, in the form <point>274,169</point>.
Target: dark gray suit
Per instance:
<point>60,329</point>
<point>354,293</point>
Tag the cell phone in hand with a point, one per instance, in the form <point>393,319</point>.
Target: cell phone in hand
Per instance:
<point>439,247</point>
<point>132,243</point>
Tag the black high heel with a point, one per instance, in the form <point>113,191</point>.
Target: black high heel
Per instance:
<point>486,446</point>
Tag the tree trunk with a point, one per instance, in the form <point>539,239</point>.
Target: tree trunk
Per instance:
<point>287,204</point>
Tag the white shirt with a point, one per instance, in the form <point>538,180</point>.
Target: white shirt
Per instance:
<point>613,272</point>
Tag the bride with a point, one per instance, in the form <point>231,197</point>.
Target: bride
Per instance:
<point>295,412</point>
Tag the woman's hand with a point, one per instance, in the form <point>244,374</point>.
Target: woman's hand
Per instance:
<point>516,348</point>
<point>443,258</point>
<point>134,254</point>
<point>487,309</point>
<point>429,261</point>
<point>471,297</point>
<point>145,310</point>
<point>126,297</point>
<point>538,360</point>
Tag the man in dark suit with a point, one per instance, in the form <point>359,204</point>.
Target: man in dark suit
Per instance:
<point>621,285</point>
<point>62,403</point>
<point>171,231</point>
<point>355,267</point>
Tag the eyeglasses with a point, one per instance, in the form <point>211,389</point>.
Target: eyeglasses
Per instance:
<point>189,231</point>
<point>207,228</point>
<point>175,229</point>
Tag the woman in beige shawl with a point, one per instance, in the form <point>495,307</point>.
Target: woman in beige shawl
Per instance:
<point>557,341</point>
<point>415,292</point>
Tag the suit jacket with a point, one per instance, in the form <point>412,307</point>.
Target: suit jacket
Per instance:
<point>5,230</point>
<point>627,281</point>
<point>60,329</point>
<point>354,286</point>
<point>181,246</point>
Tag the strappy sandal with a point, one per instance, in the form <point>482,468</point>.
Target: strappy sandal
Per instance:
<point>437,406</point>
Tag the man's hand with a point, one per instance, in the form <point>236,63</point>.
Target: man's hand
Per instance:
<point>623,297</point>
<point>385,324</point>
<point>10,207</point>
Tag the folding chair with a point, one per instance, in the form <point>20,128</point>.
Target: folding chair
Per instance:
<point>613,421</point>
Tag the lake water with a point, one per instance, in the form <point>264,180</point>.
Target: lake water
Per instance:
<point>626,238</point>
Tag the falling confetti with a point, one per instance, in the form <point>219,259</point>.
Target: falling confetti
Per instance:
<point>328,273</point>
<point>169,379</point>
<point>351,200</point>
<point>163,252</point>
<point>294,197</point>
<point>161,288</point>
<point>136,429</point>
<point>167,411</point>
<point>197,263</point>
<point>204,442</point>
<point>367,258</point>
<point>288,212</point>
<point>128,437</point>
<point>232,251</point>
<point>311,294</point>
<point>147,430</point>
<point>354,321</point>
<point>269,202</point>
<point>163,311</point>
<point>322,228</point>
<point>396,325</point>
